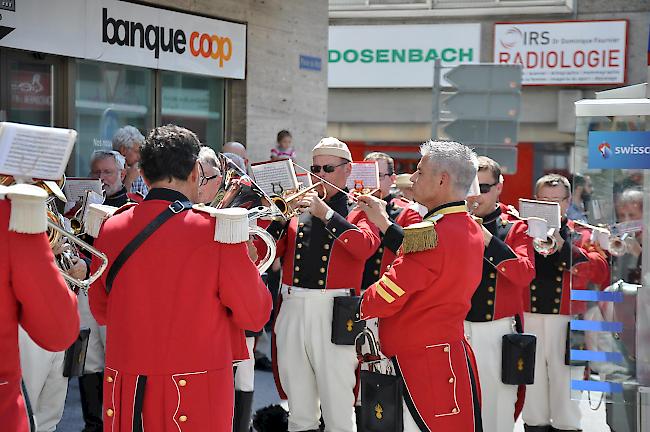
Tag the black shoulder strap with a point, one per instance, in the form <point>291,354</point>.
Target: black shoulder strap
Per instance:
<point>174,208</point>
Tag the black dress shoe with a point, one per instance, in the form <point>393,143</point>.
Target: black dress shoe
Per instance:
<point>263,364</point>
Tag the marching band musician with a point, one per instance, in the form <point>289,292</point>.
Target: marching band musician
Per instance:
<point>424,297</point>
<point>508,269</point>
<point>32,294</point>
<point>394,206</point>
<point>43,369</point>
<point>324,251</point>
<point>173,291</point>
<point>548,307</point>
<point>109,167</point>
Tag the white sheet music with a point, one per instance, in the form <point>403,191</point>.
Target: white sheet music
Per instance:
<point>75,188</point>
<point>549,211</point>
<point>364,175</point>
<point>304,180</point>
<point>35,151</point>
<point>275,177</point>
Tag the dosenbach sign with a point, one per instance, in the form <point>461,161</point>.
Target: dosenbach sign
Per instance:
<point>398,55</point>
<point>564,53</point>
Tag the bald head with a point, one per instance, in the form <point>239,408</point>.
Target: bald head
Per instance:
<point>235,148</point>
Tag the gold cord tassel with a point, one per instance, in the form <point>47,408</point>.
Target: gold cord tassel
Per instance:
<point>420,237</point>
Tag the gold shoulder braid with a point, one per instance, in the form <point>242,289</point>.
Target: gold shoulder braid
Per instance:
<point>421,236</point>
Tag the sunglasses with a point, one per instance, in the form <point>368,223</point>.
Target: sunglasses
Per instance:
<point>205,179</point>
<point>315,169</point>
<point>486,187</point>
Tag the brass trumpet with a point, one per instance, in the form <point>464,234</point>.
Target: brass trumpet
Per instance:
<point>545,247</point>
<point>282,203</point>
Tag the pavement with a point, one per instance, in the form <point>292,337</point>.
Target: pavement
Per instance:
<point>266,394</point>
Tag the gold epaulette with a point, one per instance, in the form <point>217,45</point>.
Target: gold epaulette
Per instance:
<point>421,236</point>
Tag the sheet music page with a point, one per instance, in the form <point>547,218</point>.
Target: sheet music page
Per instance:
<point>549,211</point>
<point>75,188</point>
<point>35,151</point>
<point>304,180</point>
<point>364,175</point>
<point>275,177</point>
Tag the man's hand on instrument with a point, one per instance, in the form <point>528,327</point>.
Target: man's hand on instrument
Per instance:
<point>375,209</point>
<point>252,250</point>
<point>316,206</point>
<point>79,268</point>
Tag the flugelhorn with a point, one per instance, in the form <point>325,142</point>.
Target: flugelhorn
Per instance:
<point>283,203</point>
<point>237,189</point>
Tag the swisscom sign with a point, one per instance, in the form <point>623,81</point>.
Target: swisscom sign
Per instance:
<point>564,53</point>
<point>127,33</point>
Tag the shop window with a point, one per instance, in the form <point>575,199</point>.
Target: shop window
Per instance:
<point>107,97</point>
<point>195,102</point>
<point>30,92</point>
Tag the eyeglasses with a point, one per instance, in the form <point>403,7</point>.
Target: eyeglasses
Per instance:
<point>555,200</point>
<point>205,179</point>
<point>486,187</point>
<point>385,174</point>
<point>315,169</point>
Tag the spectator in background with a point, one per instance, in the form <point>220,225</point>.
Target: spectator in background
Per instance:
<point>580,198</point>
<point>283,148</point>
<point>127,141</point>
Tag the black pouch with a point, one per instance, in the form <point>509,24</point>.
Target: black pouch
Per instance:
<point>381,402</point>
<point>381,394</point>
<point>74,360</point>
<point>518,357</point>
<point>344,327</point>
<point>575,340</point>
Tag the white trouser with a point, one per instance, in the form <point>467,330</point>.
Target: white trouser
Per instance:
<point>245,374</point>
<point>498,399</point>
<point>548,400</point>
<point>44,380</point>
<point>313,371</point>
<point>95,356</point>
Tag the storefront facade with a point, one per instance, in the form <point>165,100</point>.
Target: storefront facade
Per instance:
<point>113,63</point>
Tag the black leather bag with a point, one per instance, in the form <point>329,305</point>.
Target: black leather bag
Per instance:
<point>344,327</point>
<point>74,360</point>
<point>381,402</point>
<point>518,357</point>
<point>381,394</point>
<point>574,340</point>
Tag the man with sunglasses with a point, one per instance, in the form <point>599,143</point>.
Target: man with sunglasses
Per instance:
<point>574,265</point>
<point>508,269</point>
<point>323,252</point>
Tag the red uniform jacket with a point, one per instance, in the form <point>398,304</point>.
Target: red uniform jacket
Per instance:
<point>170,317</point>
<point>508,269</point>
<point>393,238</point>
<point>332,256</point>
<point>421,303</point>
<point>324,256</point>
<point>34,295</point>
<point>550,291</point>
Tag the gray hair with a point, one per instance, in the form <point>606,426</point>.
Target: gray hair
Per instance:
<point>458,160</point>
<point>105,154</point>
<point>238,160</point>
<point>632,196</point>
<point>127,136</point>
<point>208,156</point>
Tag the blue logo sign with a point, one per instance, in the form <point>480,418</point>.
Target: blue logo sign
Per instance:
<point>310,63</point>
<point>619,150</point>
